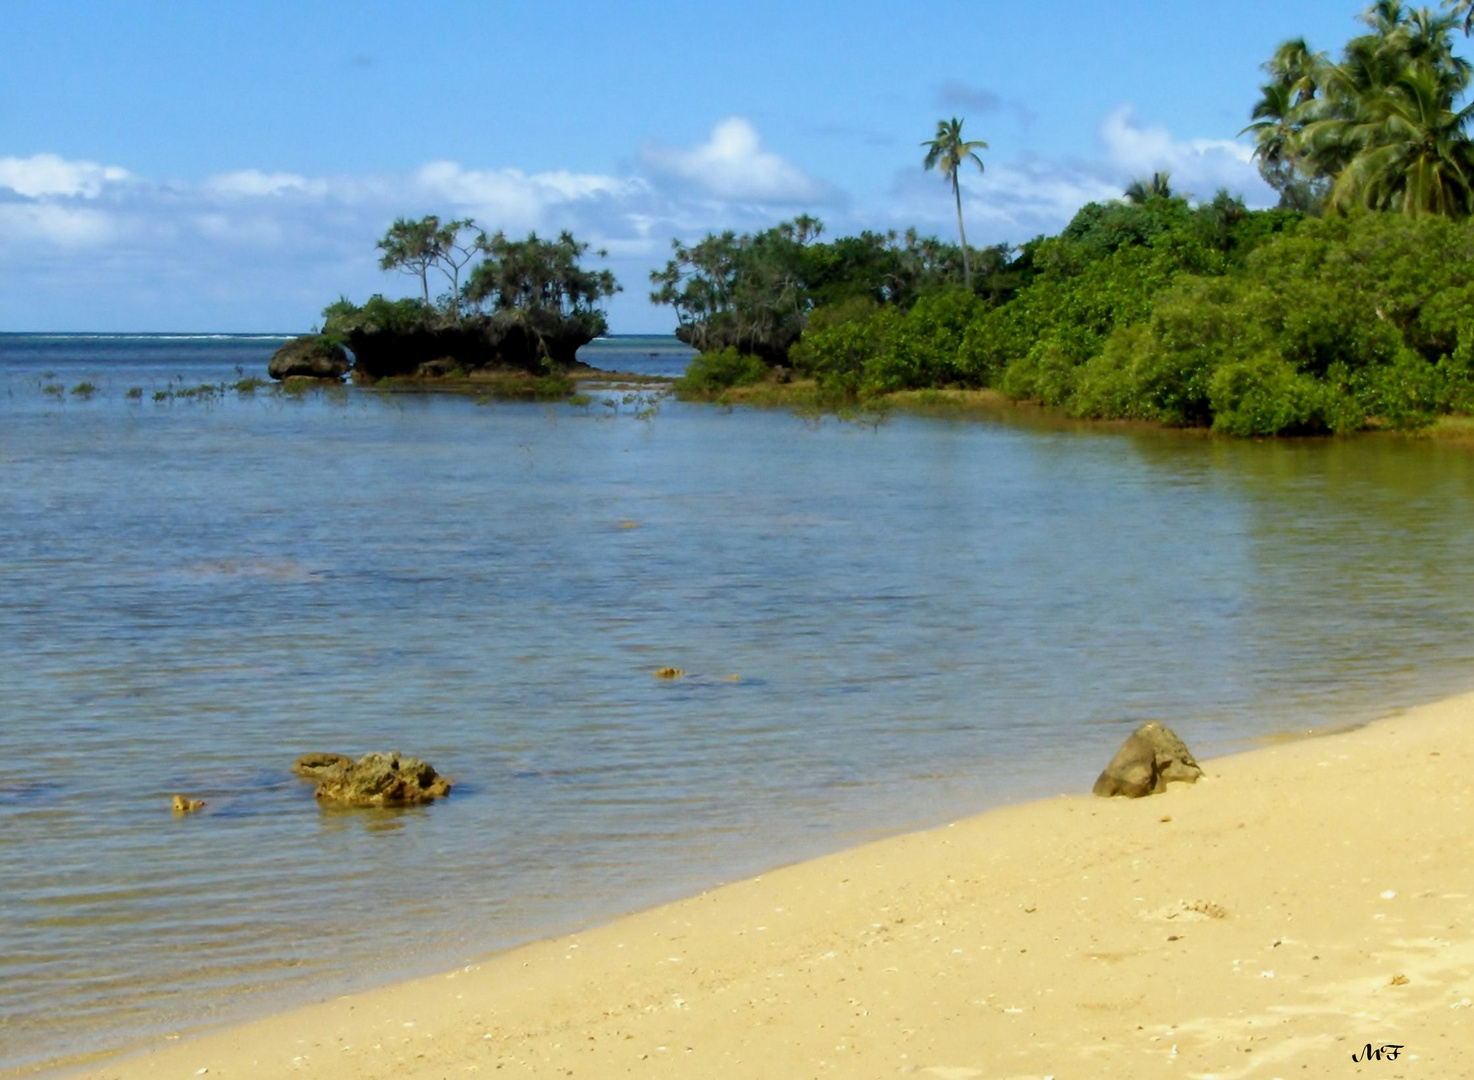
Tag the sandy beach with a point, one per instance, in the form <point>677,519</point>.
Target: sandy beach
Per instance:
<point>1299,903</point>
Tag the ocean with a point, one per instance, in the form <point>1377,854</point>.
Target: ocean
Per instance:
<point>885,624</point>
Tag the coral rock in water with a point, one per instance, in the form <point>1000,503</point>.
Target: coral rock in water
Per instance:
<point>382,780</point>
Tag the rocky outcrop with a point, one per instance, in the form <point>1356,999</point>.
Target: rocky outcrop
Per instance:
<point>1151,757</point>
<point>372,780</point>
<point>315,766</point>
<point>311,356</point>
<point>474,344</point>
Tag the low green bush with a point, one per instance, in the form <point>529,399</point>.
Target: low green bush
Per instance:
<point>713,372</point>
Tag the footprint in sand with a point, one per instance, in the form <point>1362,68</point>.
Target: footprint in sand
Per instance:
<point>1186,911</point>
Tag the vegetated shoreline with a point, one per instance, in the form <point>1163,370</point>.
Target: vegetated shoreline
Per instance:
<point>1286,907</point>
<point>807,396</point>
<point>804,396</point>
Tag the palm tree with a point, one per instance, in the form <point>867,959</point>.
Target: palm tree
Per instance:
<point>1142,190</point>
<point>1462,9</point>
<point>1381,127</point>
<point>947,153</point>
<point>1413,153</point>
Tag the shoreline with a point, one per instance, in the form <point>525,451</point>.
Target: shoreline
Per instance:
<point>1303,899</point>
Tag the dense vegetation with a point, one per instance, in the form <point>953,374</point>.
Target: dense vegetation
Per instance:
<point>755,292</point>
<point>523,305</point>
<point>1350,306</point>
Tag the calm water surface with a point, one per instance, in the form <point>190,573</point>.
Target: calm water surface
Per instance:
<point>927,617</point>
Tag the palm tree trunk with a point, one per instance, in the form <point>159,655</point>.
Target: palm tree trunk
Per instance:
<point>966,266</point>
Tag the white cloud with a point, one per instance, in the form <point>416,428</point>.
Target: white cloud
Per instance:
<point>257,231</point>
<point>255,184</point>
<point>51,225</point>
<point>1198,166</point>
<point>1033,197</point>
<point>732,164</point>
<point>509,198</point>
<point>44,175</point>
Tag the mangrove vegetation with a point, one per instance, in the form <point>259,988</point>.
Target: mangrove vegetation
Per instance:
<point>1349,306</point>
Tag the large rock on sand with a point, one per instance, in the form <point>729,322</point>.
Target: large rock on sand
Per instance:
<point>311,356</point>
<point>1151,757</point>
<point>372,780</point>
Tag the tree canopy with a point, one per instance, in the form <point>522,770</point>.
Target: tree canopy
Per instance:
<point>1384,127</point>
<point>754,291</point>
<point>520,303</point>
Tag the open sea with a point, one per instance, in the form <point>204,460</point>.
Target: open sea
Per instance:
<point>926,616</point>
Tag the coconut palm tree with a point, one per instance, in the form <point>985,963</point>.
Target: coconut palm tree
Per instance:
<point>1381,127</point>
<point>1143,190</point>
<point>1462,9</point>
<point>1413,154</point>
<point>947,153</point>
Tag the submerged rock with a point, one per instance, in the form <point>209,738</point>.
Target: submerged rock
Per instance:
<point>1151,757</point>
<point>311,356</point>
<point>375,780</point>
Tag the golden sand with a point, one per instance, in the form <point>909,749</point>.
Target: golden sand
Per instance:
<point>1299,903</point>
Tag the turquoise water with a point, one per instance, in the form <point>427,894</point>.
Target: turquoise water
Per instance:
<point>928,617</point>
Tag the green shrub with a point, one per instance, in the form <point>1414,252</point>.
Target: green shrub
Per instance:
<point>924,347</point>
<point>1403,395</point>
<point>1267,396</point>
<point>840,343</point>
<point>713,372</point>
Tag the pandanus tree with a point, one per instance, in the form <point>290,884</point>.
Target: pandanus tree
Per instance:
<point>542,282</point>
<point>947,152</point>
<point>417,247</point>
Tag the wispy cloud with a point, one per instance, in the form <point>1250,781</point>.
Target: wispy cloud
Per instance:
<point>254,184</point>
<point>956,94</point>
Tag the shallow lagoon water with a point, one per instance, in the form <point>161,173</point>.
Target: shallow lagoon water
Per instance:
<point>928,617</point>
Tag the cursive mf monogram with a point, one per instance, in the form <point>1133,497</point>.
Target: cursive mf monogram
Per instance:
<point>1386,1050</point>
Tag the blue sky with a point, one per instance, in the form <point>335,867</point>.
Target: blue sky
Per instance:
<point>228,166</point>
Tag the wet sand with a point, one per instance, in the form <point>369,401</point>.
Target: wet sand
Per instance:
<point>1300,902</point>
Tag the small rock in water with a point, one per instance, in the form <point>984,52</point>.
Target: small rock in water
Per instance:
<point>183,804</point>
<point>311,356</point>
<point>382,780</point>
<point>317,765</point>
<point>1151,757</point>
